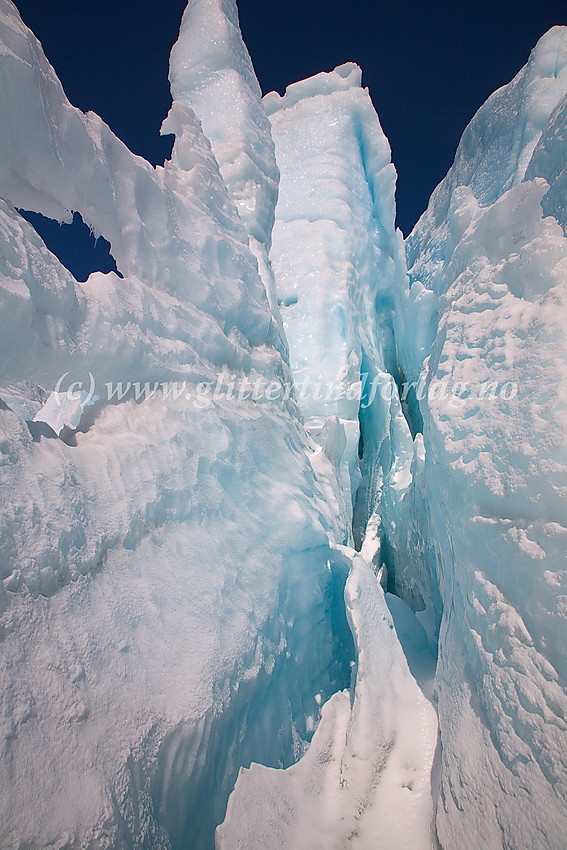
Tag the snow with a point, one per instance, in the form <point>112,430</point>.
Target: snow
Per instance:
<point>365,779</point>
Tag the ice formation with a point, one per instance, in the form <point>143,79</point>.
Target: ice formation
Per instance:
<point>284,523</point>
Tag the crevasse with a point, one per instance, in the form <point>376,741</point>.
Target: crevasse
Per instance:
<point>336,260</point>
<point>464,523</point>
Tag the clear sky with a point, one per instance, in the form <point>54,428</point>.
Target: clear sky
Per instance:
<point>429,66</point>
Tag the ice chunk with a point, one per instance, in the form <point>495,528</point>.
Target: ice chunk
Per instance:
<point>64,410</point>
<point>24,399</point>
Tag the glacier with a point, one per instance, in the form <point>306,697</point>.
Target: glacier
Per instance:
<point>284,520</point>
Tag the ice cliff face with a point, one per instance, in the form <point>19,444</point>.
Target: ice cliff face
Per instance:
<point>150,645</point>
<point>487,264</point>
<point>194,551</point>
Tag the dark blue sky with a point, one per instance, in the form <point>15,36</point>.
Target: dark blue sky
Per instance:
<point>429,66</point>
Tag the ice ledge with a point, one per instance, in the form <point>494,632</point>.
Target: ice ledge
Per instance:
<point>342,78</point>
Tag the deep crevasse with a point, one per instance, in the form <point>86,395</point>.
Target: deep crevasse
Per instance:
<point>472,527</point>
<point>366,780</point>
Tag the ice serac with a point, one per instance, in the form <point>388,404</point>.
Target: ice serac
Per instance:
<point>174,233</point>
<point>337,260</point>
<point>366,778</point>
<point>488,267</point>
<point>548,161</point>
<point>492,157</point>
<point>211,72</point>
<point>169,594</point>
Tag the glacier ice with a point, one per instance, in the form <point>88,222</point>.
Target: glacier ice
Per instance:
<point>485,313</point>
<point>335,601</point>
<point>211,72</point>
<point>149,645</point>
<point>337,261</point>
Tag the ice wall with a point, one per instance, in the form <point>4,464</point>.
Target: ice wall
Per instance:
<point>486,316</point>
<point>492,157</point>
<point>548,161</point>
<point>174,233</point>
<point>337,261</point>
<point>170,603</point>
<point>211,72</point>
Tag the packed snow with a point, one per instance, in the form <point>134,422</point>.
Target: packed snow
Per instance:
<point>284,520</point>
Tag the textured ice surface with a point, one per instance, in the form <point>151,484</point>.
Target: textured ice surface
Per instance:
<point>548,161</point>
<point>493,155</point>
<point>337,261</point>
<point>488,521</point>
<point>365,780</point>
<point>174,232</point>
<point>495,485</point>
<point>211,72</point>
<point>173,579</point>
<point>170,602</point>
